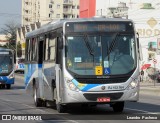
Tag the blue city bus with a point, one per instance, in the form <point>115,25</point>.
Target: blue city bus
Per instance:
<point>6,68</point>
<point>83,61</point>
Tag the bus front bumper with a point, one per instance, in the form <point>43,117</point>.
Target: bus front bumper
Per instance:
<point>7,81</point>
<point>92,97</point>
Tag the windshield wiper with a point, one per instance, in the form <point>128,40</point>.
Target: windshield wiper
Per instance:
<point>112,45</point>
<point>88,46</point>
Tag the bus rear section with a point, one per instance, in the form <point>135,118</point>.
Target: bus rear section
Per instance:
<point>6,68</point>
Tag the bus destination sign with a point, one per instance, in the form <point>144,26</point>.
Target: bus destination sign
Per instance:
<point>96,27</point>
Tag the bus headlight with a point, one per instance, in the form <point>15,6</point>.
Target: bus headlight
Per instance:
<point>133,84</point>
<point>71,85</point>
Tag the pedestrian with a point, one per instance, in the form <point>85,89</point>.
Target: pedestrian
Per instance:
<point>142,74</point>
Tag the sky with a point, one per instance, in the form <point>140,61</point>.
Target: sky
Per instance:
<point>10,10</point>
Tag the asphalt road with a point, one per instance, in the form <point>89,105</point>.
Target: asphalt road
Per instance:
<point>17,101</point>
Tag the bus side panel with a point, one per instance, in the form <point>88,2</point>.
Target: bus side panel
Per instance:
<point>31,72</point>
<point>49,79</point>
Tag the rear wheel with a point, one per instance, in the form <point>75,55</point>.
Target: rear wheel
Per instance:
<point>8,86</point>
<point>3,86</point>
<point>37,101</point>
<point>118,107</point>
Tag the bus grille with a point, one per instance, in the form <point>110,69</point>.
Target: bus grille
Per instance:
<point>102,81</point>
<point>112,96</point>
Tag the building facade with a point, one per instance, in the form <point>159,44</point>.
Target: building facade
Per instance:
<point>3,39</point>
<point>147,24</point>
<point>46,10</point>
<point>120,11</point>
<point>36,13</point>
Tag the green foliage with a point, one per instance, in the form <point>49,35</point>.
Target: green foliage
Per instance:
<point>9,30</point>
<point>19,49</point>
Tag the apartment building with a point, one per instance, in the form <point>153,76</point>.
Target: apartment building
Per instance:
<point>46,10</point>
<point>3,40</point>
<point>120,11</point>
<point>36,13</point>
<point>63,9</point>
<point>30,11</point>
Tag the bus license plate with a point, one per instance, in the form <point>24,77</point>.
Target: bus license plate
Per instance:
<point>103,99</point>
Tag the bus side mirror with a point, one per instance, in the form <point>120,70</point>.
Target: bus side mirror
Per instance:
<point>139,48</point>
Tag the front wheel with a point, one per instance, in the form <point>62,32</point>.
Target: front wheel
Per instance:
<point>8,86</point>
<point>118,107</point>
<point>2,86</point>
<point>61,108</point>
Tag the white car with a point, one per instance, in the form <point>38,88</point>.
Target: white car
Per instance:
<point>19,67</point>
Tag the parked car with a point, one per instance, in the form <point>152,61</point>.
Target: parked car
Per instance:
<point>19,67</point>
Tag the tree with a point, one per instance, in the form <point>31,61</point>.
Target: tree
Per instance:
<point>9,30</point>
<point>19,49</point>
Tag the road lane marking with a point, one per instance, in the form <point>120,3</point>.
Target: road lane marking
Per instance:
<point>7,100</point>
<point>139,110</point>
<point>73,121</point>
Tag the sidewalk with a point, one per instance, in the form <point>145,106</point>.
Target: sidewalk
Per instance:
<point>150,88</point>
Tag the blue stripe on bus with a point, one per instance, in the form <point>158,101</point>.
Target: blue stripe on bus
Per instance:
<point>39,65</point>
<point>84,87</point>
<point>89,86</point>
<point>29,70</point>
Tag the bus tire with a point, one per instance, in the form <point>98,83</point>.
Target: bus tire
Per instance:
<point>60,108</point>
<point>118,107</point>
<point>2,86</point>
<point>8,86</point>
<point>37,101</point>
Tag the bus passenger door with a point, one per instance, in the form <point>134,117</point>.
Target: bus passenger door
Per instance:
<point>58,69</point>
<point>49,65</point>
<point>40,66</point>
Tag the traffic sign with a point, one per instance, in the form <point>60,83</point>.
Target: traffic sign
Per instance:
<point>154,61</point>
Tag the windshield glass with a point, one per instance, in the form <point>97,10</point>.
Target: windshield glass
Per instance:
<point>6,64</point>
<point>109,54</point>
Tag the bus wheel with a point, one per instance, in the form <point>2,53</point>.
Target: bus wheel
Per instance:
<point>60,108</point>
<point>38,102</point>
<point>118,106</point>
<point>8,86</point>
<point>2,86</point>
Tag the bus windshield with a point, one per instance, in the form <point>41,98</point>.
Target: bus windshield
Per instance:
<point>6,64</point>
<point>109,54</point>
